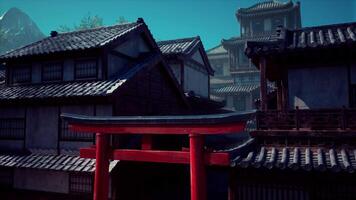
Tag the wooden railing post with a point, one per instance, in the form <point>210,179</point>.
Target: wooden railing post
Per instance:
<point>297,120</point>
<point>343,118</point>
<point>197,168</point>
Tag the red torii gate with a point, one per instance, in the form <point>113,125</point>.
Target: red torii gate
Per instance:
<point>196,126</point>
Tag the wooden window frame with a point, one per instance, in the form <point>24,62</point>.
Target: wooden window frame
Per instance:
<point>77,62</point>
<point>76,186</point>
<point>12,136</point>
<point>50,65</point>
<point>66,135</point>
<point>18,68</point>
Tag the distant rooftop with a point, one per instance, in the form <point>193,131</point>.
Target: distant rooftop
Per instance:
<point>266,8</point>
<point>309,38</point>
<point>179,46</point>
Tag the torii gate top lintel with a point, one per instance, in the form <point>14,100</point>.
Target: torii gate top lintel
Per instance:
<point>196,126</point>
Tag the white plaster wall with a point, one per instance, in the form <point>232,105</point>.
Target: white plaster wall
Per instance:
<point>198,57</point>
<point>36,73</point>
<point>319,87</point>
<point>40,180</point>
<point>116,65</point>
<point>42,127</point>
<point>196,81</point>
<point>68,70</point>
<point>176,68</point>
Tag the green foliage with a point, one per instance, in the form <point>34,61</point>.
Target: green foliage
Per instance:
<point>89,21</point>
<point>121,20</point>
<point>86,22</point>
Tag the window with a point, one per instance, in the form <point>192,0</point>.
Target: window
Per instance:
<point>67,135</point>
<point>21,75</point>
<point>85,69</point>
<point>257,26</point>
<point>12,128</point>
<point>80,183</point>
<point>277,22</point>
<point>52,72</point>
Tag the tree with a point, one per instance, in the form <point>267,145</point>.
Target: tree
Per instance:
<point>121,20</point>
<point>86,22</point>
<point>89,21</point>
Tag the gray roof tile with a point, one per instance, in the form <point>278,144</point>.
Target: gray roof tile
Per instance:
<point>266,7</point>
<point>294,157</point>
<point>51,162</point>
<point>318,37</point>
<point>71,41</point>
<point>178,46</point>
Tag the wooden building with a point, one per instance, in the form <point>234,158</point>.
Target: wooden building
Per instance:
<point>189,63</point>
<point>106,71</point>
<point>305,147</point>
<point>257,22</point>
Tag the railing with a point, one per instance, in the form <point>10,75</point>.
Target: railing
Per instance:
<point>318,119</point>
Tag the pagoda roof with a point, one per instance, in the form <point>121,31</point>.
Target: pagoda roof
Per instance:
<point>300,40</point>
<point>267,7</point>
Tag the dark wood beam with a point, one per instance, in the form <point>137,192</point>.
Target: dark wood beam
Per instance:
<point>263,82</point>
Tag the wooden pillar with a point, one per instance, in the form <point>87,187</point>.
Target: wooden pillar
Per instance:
<point>197,168</point>
<point>263,83</point>
<point>284,94</point>
<point>101,181</point>
<point>232,184</point>
<point>279,95</point>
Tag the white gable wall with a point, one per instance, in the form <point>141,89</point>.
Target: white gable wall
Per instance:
<point>196,81</point>
<point>198,57</point>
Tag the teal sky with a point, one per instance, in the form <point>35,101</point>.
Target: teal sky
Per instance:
<point>169,19</point>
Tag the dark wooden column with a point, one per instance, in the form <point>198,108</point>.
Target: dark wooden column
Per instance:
<point>279,95</point>
<point>285,100</point>
<point>263,81</point>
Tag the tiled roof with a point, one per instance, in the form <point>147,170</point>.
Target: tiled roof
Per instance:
<point>215,80</point>
<point>265,7</point>
<point>216,50</point>
<point>72,41</point>
<point>242,40</point>
<point>178,46</point>
<point>66,89</point>
<point>216,98</point>
<point>307,158</point>
<point>237,88</point>
<point>184,46</point>
<point>65,163</point>
<point>71,89</point>
<point>318,37</point>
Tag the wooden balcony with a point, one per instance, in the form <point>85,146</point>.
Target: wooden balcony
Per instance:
<point>299,122</point>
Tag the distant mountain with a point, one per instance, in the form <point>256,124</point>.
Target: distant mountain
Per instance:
<point>17,29</point>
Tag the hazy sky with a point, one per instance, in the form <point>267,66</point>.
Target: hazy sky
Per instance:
<point>169,19</point>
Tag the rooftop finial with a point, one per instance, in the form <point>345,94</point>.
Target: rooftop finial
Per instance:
<point>54,33</point>
<point>140,20</point>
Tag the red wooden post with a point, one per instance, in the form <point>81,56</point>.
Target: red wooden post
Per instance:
<point>101,182</point>
<point>197,168</point>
